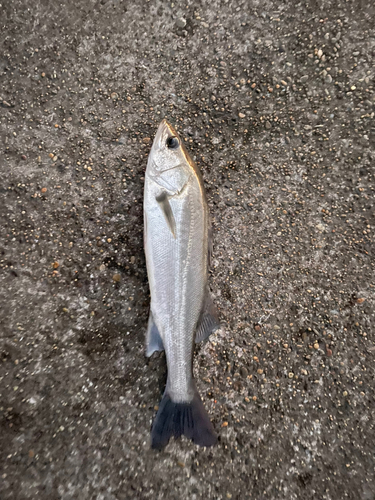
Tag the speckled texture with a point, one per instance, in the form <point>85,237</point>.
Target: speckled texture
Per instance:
<point>276,102</point>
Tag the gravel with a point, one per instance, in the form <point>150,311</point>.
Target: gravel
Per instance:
<point>276,103</point>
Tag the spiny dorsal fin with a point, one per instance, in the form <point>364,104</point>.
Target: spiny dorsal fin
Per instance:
<point>210,244</point>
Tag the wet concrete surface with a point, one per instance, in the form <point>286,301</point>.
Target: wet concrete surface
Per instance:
<point>276,102</point>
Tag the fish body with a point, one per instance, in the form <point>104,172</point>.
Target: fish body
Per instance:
<point>177,248</point>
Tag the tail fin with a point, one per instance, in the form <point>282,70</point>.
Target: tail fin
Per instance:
<point>177,419</point>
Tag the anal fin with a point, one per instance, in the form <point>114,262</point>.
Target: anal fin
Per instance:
<point>208,321</point>
<point>154,342</point>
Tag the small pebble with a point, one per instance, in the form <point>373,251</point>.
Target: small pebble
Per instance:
<point>146,140</point>
<point>304,78</point>
<point>268,125</point>
<point>316,346</point>
<point>43,190</point>
<point>55,265</point>
<point>241,115</point>
<point>224,424</point>
<point>116,277</point>
<point>360,300</point>
<point>243,372</point>
<point>181,22</point>
<point>290,374</point>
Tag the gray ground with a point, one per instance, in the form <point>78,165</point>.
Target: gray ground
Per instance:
<point>276,102</point>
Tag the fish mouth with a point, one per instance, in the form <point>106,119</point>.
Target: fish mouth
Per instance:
<point>177,174</point>
<point>164,131</point>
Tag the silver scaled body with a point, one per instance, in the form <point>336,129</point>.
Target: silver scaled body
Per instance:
<point>176,247</point>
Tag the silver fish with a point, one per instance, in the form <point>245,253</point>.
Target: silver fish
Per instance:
<point>177,247</point>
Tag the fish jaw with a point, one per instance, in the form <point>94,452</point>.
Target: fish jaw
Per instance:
<point>164,131</point>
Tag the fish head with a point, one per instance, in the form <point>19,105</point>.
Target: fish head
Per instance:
<point>169,164</point>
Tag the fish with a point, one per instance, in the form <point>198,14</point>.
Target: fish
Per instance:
<point>178,248</point>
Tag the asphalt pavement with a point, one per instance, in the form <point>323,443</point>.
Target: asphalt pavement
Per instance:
<point>275,101</point>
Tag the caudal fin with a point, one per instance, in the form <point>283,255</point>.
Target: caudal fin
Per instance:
<point>177,419</point>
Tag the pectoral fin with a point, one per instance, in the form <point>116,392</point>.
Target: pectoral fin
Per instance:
<point>165,206</point>
<point>154,342</point>
<point>209,321</point>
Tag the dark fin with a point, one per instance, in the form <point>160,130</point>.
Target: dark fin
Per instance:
<point>154,341</point>
<point>208,321</point>
<point>163,201</point>
<point>210,244</point>
<point>177,419</point>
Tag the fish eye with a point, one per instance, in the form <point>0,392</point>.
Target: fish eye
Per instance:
<point>172,143</point>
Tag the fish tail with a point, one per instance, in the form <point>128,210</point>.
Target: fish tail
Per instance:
<point>177,419</point>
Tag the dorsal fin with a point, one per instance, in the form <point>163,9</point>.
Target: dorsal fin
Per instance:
<point>208,321</point>
<point>210,245</point>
